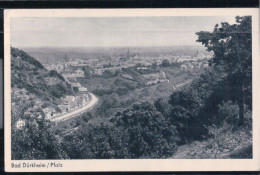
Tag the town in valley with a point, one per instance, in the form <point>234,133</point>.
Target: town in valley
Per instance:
<point>147,70</point>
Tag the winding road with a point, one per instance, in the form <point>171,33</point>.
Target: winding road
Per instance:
<point>76,112</point>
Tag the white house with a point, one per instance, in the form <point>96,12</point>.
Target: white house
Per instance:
<point>79,73</point>
<point>83,89</point>
<point>20,124</point>
<point>69,98</point>
<point>49,112</point>
<point>64,108</point>
<point>73,105</point>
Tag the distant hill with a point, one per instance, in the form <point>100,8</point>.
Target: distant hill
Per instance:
<point>28,73</point>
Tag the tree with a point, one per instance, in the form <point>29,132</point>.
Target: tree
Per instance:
<point>54,73</point>
<point>96,141</point>
<point>76,89</point>
<point>150,133</point>
<point>161,105</point>
<point>108,74</point>
<point>182,114</point>
<point>232,47</point>
<point>166,63</point>
<point>155,67</point>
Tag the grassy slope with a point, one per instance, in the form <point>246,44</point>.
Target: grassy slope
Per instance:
<point>32,76</point>
<point>241,148</point>
<point>197,150</point>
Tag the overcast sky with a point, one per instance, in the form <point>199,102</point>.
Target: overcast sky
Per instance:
<point>110,31</point>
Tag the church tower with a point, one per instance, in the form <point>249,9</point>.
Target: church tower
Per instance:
<point>66,58</point>
<point>196,54</point>
<point>128,55</point>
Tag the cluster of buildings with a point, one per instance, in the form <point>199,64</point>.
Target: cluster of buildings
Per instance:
<point>69,103</point>
<point>71,79</point>
<point>21,97</point>
<point>117,63</point>
<point>65,64</point>
<point>192,65</point>
<point>155,78</point>
<point>198,61</point>
<point>69,74</point>
<point>99,65</point>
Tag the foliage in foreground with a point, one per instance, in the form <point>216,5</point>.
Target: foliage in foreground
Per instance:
<point>138,132</point>
<point>35,141</point>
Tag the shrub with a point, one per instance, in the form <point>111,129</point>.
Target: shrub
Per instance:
<point>227,138</point>
<point>54,73</point>
<point>151,134</point>
<point>228,111</point>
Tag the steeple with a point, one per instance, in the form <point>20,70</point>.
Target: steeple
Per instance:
<point>66,57</point>
<point>128,54</point>
<point>196,54</point>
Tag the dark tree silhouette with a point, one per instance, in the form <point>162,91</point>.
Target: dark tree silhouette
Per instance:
<point>232,47</point>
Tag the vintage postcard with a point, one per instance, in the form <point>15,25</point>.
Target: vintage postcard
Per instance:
<point>131,90</point>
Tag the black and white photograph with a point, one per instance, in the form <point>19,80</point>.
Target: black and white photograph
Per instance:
<point>124,87</point>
